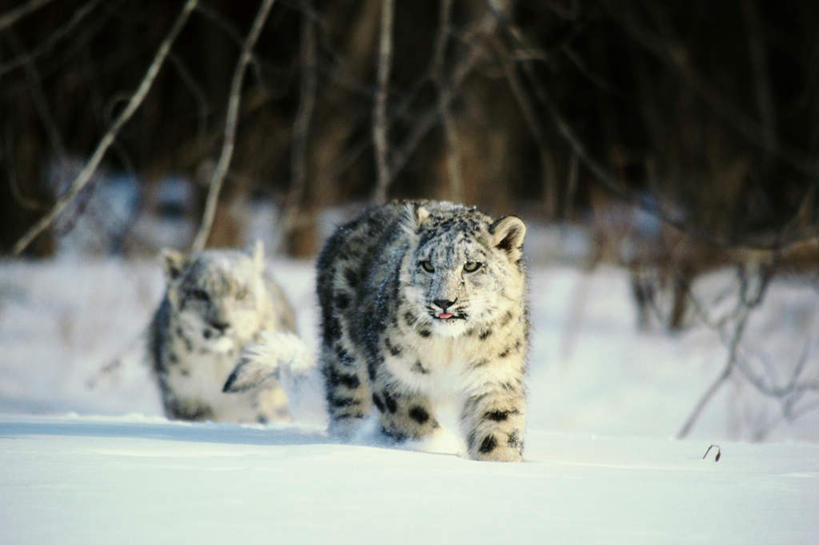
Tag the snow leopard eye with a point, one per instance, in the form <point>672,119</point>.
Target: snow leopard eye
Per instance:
<point>201,295</point>
<point>427,266</point>
<point>471,266</point>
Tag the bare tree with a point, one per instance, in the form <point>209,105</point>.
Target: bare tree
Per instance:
<point>133,104</point>
<point>748,364</point>
<point>218,176</point>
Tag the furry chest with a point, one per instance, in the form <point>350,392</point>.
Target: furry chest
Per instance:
<point>438,366</point>
<point>200,372</point>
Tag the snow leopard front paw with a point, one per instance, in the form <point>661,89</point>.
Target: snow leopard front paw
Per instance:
<point>495,422</point>
<point>497,448</point>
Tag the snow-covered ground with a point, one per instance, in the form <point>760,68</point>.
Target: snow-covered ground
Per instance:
<point>87,480</point>
<point>87,457</point>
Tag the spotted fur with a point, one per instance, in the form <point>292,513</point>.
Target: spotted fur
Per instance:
<point>216,303</point>
<point>424,303</point>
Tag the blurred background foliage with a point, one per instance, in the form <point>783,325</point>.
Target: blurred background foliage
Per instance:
<point>705,115</point>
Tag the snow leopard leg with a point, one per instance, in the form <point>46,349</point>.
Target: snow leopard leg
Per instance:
<point>493,421</point>
<point>271,404</point>
<point>346,386</point>
<point>402,415</point>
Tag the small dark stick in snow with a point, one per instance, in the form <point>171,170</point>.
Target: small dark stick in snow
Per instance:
<point>717,457</point>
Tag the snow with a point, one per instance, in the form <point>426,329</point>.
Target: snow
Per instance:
<point>88,458</point>
<point>135,480</point>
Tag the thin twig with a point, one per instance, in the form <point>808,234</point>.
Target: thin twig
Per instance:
<point>453,158</point>
<point>422,123</point>
<point>571,187</point>
<point>301,125</point>
<point>747,305</point>
<point>232,32</point>
<point>54,37</point>
<point>651,204</point>
<point>35,84</point>
<point>596,79</point>
<point>196,91</point>
<point>794,385</point>
<point>718,450</point>
<point>26,202</point>
<point>722,106</point>
<point>218,176</point>
<point>14,15</point>
<point>136,100</point>
<point>709,393</point>
<point>431,118</point>
<point>762,79</point>
<point>380,136</point>
<point>531,120</point>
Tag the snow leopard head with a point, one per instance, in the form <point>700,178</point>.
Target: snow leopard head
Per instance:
<point>216,295</point>
<point>463,269</point>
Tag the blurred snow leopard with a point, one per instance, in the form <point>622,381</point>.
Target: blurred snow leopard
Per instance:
<point>423,304</point>
<point>216,303</point>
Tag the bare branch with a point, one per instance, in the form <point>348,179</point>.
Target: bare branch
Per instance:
<point>654,205</point>
<point>380,138</point>
<point>423,122</point>
<point>232,33</point>
<point>747,302</point>
<point>726,372</point>
<point>35,83</point>
<point>218,176</point>
<point>24,201</point>
<point>530,118</point>
<point>793,387</point>
<point>136,100</point>
<point>453,160</point>
<point>762,80</point>
<point>14,15</point>
<point>196,91</point>
<point>52,40</point>
<point>301,126</point>
<point>431,118</point>
<point>671,53</point>
<point>571,187</point>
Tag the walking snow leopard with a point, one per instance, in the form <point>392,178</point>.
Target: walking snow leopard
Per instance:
<point>423,303</point>
<point>216,303</point>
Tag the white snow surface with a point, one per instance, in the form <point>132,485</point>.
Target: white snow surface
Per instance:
<point>135,480</point>
<point>88,458</point>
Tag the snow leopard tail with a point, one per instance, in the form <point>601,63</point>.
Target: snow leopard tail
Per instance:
<point>281,357</point>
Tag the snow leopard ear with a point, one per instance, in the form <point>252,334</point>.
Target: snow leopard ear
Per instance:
<point>172,262</point>
<point>421,215</point>
<point>507,235</point>
<point>413,216</point>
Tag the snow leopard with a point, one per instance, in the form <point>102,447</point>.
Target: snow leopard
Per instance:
<point>217,302</point>
<point>424,304</point>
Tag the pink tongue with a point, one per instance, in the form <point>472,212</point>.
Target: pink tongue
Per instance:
<point>445,316</point>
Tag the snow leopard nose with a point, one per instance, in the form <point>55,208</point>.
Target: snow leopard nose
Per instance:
<point>444,304</point>
<point>219,326</point>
